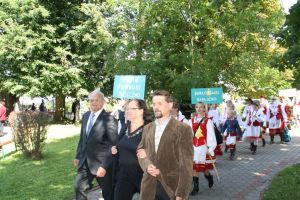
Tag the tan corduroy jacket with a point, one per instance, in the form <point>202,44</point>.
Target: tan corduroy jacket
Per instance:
<point>174,159</point>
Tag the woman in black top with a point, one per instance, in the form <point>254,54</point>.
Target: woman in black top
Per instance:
<point>130,174</point>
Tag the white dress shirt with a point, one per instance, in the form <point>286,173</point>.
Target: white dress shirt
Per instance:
<point>159,129</point>
<point>95,118</point>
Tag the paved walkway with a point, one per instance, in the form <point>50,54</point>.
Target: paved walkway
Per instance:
<point>249,175</point>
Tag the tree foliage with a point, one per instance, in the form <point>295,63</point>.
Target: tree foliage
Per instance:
<point>290,39</point>
<point>52,48</point>
<point>70,47</point>
<point>184,44</point>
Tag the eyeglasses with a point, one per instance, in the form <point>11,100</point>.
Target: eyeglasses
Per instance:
<point>128,109</point>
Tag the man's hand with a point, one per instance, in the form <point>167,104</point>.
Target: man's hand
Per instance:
<point>141,153</point>
<point>179,198</point>
<point>75,162</point>
<point>114,150</point>
<point>101,172</point>
<point>152,170</point>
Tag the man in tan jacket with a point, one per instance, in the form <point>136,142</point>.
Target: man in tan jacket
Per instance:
<point>165,154</point>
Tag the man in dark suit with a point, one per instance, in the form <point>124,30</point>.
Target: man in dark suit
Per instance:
<point>93,159</point>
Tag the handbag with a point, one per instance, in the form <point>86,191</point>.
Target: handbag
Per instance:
<point>218,135</point>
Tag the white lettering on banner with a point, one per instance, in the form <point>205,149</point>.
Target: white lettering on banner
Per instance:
<point>134,95</point>
<point>128,87</point>
<point>207,93</point>
<point>130,80</point>
<point>127,80</point>
<point>137,79</point>
<point>206,99</point>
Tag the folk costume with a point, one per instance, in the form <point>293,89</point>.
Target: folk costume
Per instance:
<point>180,117</point>
<point>224,115</point>
<point>233,130</point>
<point>288,110</point>
<point>214,115</point>
<point>252,133</point>
<point>296,109</point>
<point>276,116</point>
<point>240,122</point>
<point>264,124</point>
<point>204,141</point>
<point>248,109</point>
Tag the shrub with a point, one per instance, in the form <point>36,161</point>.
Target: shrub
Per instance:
<point>30,131</point>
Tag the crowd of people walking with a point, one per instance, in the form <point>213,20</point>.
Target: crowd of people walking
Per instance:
<point>162,157</point>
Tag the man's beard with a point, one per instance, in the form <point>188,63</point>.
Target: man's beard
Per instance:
<point>158,114</point>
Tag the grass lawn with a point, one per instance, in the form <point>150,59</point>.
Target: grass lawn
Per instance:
<point>286,185</point>
<point>52,178</point>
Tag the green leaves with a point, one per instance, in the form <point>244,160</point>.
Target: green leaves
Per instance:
<point>24,46</point>
<point>290,38</point>
<point>185,44</point>
<point>69,47</point>
<point>44,52</point>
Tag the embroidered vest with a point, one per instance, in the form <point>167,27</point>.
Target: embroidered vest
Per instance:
<point>200,133</point>
<point>265,110</point>
<point>251,121</point>
<point>231,125</point>
<point>278,113</point>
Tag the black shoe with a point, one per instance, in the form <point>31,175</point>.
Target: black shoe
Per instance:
<point>251,146</point>
<point>232,151</point>
<point>210,180</point>
<point>195,186</point>
<point>281,139</point>
<point>272,140</point>
<point>254,149</point>
<point>226,148</point>
<point>263,142</point>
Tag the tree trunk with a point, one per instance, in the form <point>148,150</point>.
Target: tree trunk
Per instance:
<point>59,108</point>
<point>10,100</point>
<point>77,112</point>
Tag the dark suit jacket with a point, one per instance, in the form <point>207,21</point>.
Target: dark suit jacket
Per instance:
<point>96,148</point>
<point>174,159</point>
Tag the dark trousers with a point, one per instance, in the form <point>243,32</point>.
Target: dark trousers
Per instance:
<point>161,194</point>
<point>84,179</point>
<point>125,189</point>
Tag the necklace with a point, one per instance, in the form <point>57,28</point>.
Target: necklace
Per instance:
<point>134,133</point>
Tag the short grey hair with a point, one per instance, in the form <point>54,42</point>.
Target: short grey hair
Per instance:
<point>97,92</point>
